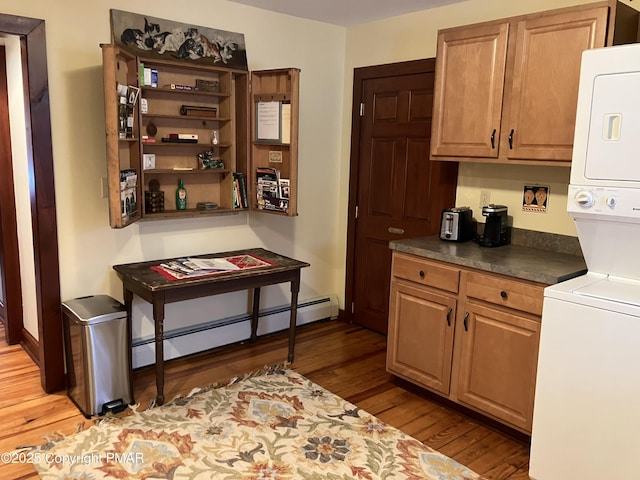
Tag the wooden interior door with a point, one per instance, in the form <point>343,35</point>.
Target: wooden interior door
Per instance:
<point>398,192</point>
<point>10,290</point>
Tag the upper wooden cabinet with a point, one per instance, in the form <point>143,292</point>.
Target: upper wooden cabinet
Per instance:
<point>506,91</point>
<point>467,108</point>
<point>195,124</point>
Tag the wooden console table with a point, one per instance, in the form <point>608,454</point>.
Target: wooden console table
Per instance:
<point>155,288</point>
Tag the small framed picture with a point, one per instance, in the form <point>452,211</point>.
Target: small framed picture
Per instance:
<point>133,95</point>
<point>535,198</point>
<point>148,161</point>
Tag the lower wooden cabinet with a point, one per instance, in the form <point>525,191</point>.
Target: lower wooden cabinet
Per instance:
<point>497,364</point>
<point>420,347</point>
<point>475,343</point>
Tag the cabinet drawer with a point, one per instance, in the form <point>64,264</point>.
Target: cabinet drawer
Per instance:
<point>515,294</point>
<point>424,272</point>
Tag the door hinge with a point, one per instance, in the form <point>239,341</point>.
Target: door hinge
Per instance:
<point>353,307</point>
<point>356,211</point>
<point>362,109</point>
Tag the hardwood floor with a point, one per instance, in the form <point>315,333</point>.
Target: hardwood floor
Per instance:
<point>345,359</point>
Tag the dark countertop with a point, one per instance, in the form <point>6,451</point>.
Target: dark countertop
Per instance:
<point>528,263</point>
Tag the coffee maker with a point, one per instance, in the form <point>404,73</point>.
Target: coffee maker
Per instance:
<point>496,232</point>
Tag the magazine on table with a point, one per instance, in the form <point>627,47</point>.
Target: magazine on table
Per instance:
<point>210,264</point>
<point>193,267</point>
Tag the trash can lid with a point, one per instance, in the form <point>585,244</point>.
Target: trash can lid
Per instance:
<point>94,308</point>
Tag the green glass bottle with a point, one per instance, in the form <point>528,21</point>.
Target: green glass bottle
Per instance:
<point>181,196</point>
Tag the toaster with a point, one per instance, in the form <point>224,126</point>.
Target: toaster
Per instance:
<point>456,224</point>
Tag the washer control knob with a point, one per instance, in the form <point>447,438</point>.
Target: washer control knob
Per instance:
<point>611,201</point>
<point>584,198</point>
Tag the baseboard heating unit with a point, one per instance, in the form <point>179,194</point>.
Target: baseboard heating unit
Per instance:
<point>205,336</point>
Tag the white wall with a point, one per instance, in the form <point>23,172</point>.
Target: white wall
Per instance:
<point>88,247</point>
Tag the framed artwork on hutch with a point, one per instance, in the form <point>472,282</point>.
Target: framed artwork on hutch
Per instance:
<point>158,38</point>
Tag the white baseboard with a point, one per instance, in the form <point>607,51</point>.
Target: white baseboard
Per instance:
<point>198,338</point>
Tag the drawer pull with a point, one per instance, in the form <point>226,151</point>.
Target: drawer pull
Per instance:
<point>466,322</point>
<point>397,231</point>
<point>421,273</point>
<point>449,316</point>
<point>503,294</point>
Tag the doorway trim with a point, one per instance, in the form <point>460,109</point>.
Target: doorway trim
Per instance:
<point>360,75</point>
<point>50,354</point>
<point>11,308</point>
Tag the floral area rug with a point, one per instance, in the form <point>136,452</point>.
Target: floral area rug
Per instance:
<point>274,425</point>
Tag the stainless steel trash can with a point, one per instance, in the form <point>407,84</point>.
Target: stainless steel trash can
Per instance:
<point>96,350</point>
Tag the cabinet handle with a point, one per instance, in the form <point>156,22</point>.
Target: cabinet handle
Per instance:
<point>511,139</point>
<point>503,294</point>
<point>397,231</point>
<point>421,273</point>
<point>466,322</point>
<point>493,139</point>
<point>449,316</point>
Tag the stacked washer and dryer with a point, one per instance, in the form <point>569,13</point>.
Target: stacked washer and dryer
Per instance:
<point>586,422</point>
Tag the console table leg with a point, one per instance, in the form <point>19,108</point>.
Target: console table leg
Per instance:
<point>158,318</point>
<point>255,313</point>
<point>295,288</point>
<point>128,302</point>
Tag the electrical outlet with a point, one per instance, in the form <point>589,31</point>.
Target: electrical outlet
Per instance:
<point>485,198</point>
<point>104,184</point>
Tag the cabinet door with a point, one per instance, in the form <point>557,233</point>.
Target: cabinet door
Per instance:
<point>274,141</point>
<point>420,339</point>
<point>470,70</point>
<point>122,136</point>
<point>544,91</point>
<point>498,363</point>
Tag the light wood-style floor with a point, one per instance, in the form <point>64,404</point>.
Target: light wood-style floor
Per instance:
<point>345,359</point>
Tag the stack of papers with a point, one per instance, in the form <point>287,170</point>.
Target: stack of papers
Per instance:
<point>193,267</point>
<point>209,264</point>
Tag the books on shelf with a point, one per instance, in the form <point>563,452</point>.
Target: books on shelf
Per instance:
<point>240,198</point>
<point>148,76</point>
<point>272,191</point>
<point>178,140</point>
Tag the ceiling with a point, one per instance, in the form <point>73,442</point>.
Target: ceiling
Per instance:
<point>346,13</point>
